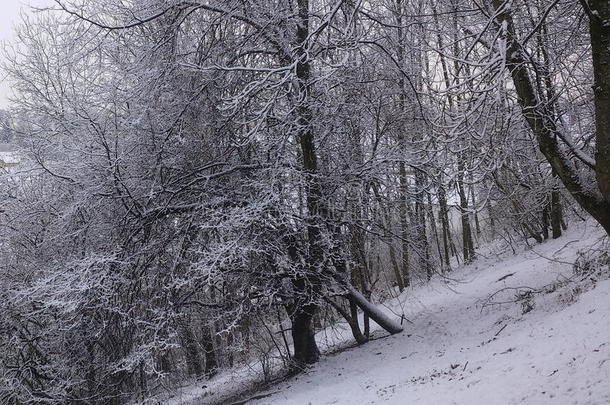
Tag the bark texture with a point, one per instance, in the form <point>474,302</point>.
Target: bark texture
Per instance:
<point>593,197</point>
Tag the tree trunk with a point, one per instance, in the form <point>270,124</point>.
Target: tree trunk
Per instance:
<point>397,274</point>
<point>307,285</point>
<point>444,214</point>
<point>434,230</point>
<point>403,206</point>
<point>468,244</point>
<point>545,220</point>
<point>477,225</point>
<point>555,213</point>
<point>351,318</point>
<point>191,351</point>
<point>595,200</point>
<point>600,50</point>
<point>423,248</point>
<point>303,335</point>
<point>388,220</point>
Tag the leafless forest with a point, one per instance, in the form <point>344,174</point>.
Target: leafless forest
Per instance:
<point>205,183</point>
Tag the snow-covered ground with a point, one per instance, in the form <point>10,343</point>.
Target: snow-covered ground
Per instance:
<point>466,345</point>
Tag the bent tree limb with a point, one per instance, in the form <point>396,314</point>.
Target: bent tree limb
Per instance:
<point>352,321</point>
<point>373,312</point>
<point>590,195</point>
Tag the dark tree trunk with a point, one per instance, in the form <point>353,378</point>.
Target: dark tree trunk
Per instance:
<point>595,200</point>
<point>388,220</point>
<point>468,243</point>
<point>355,325</point>
<point>403,205</point>
<point>546,220</point>
<point>420,227</point>
<point>477,225</point>
<point>434,230</point>
<point>397,274</point>
<point>444,214</point>
<point>351,318</point>
<point>307,285</point>
<point>600,50</point>
<point>303,335</point>
<point>555,213</point>
<point>191,351</point>
<point>211,362</point>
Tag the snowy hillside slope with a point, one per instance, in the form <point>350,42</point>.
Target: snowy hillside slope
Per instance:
<point>481,339</point>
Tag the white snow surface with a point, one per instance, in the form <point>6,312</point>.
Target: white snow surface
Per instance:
<point>460,348</point>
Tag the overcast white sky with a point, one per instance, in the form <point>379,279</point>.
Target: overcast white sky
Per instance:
<point>9,16</point>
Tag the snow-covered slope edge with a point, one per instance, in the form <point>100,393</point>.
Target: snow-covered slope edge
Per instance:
<point>465,348</point>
